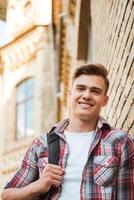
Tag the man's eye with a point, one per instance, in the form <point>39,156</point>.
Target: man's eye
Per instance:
<point>96,92</point>
<point>80,89</point>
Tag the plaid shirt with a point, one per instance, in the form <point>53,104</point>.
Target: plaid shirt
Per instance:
<point>108,173</point>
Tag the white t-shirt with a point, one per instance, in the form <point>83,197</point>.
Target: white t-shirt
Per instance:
<point>79,145</point>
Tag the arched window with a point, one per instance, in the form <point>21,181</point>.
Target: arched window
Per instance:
<point>25,109</point>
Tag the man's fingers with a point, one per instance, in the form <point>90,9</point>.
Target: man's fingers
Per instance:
<point>56,183</point>
<point>53,166</point>
<point>53,180</point>
<point>58,172</point>
<point>52,175</point>
<point>55,177</point>
<point>55,169</point>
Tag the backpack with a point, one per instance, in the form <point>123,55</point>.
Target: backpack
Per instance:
<point>53,157</point>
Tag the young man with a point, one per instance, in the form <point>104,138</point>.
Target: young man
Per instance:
<point>96,160</point>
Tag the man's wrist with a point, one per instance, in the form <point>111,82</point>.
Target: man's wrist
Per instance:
<point>36,189</point>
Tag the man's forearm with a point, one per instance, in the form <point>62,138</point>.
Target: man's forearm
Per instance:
<point>29,192</point>
<point>51,176</point>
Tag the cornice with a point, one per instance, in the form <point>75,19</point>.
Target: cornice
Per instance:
<point>21,50</point>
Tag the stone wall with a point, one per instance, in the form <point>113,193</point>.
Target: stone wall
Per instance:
<point>112,30</point>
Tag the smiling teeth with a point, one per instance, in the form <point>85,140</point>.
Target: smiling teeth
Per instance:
<point>84,105</point>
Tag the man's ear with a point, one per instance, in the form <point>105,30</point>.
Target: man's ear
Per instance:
<point>105,100</point>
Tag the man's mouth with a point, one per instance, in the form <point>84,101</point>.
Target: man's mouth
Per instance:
<point>86,104</point>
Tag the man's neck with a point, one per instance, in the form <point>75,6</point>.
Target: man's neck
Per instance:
<point>79,125</point>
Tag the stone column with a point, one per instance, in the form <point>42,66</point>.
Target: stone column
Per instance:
<point>1,131</point>
<point>45,85</point>
<point>1,117</point>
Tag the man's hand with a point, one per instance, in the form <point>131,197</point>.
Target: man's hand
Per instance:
<point>51,176</point>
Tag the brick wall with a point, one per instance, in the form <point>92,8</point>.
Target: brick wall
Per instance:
<point>112,25</point>
<point>3,9</point>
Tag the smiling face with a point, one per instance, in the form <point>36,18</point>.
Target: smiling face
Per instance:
<point>87,97</point>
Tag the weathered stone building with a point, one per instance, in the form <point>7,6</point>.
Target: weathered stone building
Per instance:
<point>27,81</point>
<point>41,56</point>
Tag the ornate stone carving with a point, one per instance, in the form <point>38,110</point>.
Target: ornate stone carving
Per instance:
<point>22,50</point>
<point>22,15</point>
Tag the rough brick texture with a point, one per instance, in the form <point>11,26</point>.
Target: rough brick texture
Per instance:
<point>112,26</point>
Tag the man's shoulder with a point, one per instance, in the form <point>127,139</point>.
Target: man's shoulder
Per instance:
<point>39,142</point>
<point>117,135</point>
<point>42,138</point>
<point>112,133</point>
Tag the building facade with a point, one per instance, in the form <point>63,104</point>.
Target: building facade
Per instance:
<point>41,57</point>
<point>27,81</point>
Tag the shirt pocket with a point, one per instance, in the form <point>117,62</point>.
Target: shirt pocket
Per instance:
<point>104,169</point>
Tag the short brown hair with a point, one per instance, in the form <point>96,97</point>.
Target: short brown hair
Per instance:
<point>93,69</point>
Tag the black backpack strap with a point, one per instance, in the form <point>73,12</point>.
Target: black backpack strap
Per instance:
<point>53,147</point>
<point>53,157</point>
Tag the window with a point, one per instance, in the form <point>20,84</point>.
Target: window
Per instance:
<point>25,109</point>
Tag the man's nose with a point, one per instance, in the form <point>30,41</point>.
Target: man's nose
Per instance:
<point>87,94</point>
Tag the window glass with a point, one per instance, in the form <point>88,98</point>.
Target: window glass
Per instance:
<point>30,86</point>
<point>20,121</point>
<point>21,94</point>
<point>25,109</point>
<point>29,117</point>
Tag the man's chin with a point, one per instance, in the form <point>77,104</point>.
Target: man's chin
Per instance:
<point>85,117</point>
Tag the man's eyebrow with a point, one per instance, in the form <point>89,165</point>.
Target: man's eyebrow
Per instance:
<point>93,87</point>
<point>97,88</point>
<point>80,85</point>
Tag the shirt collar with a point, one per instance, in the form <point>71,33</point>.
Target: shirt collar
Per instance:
<point>61,126</point>
<point>102,124</point>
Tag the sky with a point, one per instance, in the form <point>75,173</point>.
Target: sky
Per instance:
<point>3,35</point>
